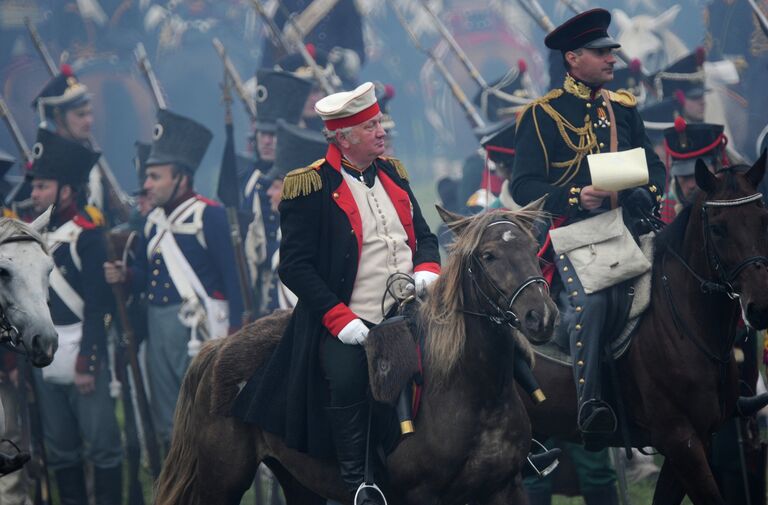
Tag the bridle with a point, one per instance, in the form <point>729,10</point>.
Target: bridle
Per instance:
<point>500,314</point>
<point>10,337</point>
<point>725,277</point>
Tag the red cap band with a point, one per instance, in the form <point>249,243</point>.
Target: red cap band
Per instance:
<point>354,119</point>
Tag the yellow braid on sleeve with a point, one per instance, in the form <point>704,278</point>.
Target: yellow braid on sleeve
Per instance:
<point>303,181</point>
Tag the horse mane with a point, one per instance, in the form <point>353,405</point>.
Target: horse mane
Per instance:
<point>441,315</point>
<point>10,227</point>
<point>673,235</point>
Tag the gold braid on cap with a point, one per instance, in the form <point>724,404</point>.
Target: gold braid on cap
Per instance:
<point>303,181</point>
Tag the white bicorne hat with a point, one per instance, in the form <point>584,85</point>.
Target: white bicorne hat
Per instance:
<point>348,108</point>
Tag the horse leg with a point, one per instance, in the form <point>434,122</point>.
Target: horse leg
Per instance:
<point>669,490</point>
<point>686,455</point>
<point>512,494</point>
<point>295,493</point>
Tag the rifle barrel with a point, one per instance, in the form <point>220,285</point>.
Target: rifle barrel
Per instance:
<point>40,46</point>
<point>149,74</point>
<point>469,109</point>
<point>13,126</point>
<point>234,76</point>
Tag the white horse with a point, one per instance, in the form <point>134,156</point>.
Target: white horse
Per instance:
<point>25,319</point>
<point>649,38</point>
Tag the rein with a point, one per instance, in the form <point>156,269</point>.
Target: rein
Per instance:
<point>723,285</point>
<point>500,315</point>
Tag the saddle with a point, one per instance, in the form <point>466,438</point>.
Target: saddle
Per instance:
<point>628,301</point>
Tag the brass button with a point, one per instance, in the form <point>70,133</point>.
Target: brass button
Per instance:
<point>589,105</point>
<point>574,293</point>
<point>352,232</point>
<point>565,268</point>
<point>578,327</point>
<point>603,104</point>
<point>562,256</point>
<point>570,279</point>
<point>579,344</point>
<point>335,195</point>
<point>166,285</point>
<point>155,272</point>
<point>602,144</point>
<point>157,262</point>
<point>151,296</point>
<point>153,283</point>
<point>165,299</point>
<point>581,381</point>
<point>580,363</point>
<point>578,309</point>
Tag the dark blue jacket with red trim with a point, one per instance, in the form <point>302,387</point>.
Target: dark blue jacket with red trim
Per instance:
<point>319,257</point>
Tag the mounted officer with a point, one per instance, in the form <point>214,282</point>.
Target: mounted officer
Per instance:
<point>77,411</point>
<point>555,135</point>
<point>349,221</point>
<point>187,267</point>
<point>279,95</point>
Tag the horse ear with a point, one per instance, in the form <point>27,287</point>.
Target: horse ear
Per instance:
<point>536,205</point>
<point>705,179</point>
<point>455,222</point>
<point>757,172</point>
<point>666,18</point>
<point>41,223</point>
<point>623,22</point>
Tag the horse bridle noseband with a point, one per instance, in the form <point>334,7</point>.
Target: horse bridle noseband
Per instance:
<point>10,337</point>
<point>723,285</point>
<point>499,314</point>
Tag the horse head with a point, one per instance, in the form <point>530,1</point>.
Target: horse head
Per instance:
<point>649,39</point>
<point>25,267</point>
<point>734,223</point>
<point>501,274</point>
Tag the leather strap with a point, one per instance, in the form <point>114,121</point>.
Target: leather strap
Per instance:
<point>614,142</point>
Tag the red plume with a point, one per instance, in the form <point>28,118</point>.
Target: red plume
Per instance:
<point>66,70</point>
<point>701,55</point>
<point>311,50</point>
<point>389,91</point>
<point>680,124</point>
<point>635,65</point>
<point>522,66</point>
<point>28,166</point>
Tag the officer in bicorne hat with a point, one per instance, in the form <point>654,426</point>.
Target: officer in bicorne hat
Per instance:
<point>336,255</point>
<point>555,134</point>
<point>187,267</point>
<point>77,411</point>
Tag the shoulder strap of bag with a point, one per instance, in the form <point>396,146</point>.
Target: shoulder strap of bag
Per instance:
<point>614,142</point>
<point>68,233</point>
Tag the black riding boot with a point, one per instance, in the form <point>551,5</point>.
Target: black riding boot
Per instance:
<point>108,485</point>
<point>350,428</point>
<point>605,495</point>
<point>10,462</point>
<point>71,482</point>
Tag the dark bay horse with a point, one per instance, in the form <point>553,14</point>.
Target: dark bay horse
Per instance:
<point>472,434</point>
<point>678,378</point>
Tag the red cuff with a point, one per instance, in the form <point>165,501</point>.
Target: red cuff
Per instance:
<point>428,267</point>
<point>337,318</point>
<point>86,364</point>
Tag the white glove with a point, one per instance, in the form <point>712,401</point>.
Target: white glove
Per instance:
<point>422,279</point>
<point>354,333</point>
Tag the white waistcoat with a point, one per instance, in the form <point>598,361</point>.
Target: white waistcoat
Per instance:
<point>385,249</point>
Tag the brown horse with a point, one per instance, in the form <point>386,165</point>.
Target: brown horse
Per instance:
<point>678,378</point>
<point>472,434</point>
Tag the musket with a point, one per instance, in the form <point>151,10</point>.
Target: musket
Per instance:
<point>234,78</point>
<point>32,427</point>
<point>234,224</point>
<point>21,144</point>
<point>142,60</point>
<point>457,50</point>
<point>760,16</point>
<point>317,72</point>
<point>469,109</point>
<point>120,199</point>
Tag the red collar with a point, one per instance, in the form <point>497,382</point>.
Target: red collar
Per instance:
<point>64,214</point>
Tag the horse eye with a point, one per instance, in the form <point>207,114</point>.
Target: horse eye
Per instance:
<point>487,256</point>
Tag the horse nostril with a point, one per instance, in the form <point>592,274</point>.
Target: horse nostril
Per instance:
<point>533,320</point>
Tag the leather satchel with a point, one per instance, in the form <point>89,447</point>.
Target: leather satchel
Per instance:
<point>601,249</point>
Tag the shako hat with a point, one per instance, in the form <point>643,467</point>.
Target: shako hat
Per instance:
<point>179,140</point>
<point>296,148</point>
<point>348,108</point>
<point>499,142</point>
<point>140,164</point>
<point>684,78</point>
<point>296,64</point>
<point>685,143</point>
<point>505,95</point>
<point>279,95</point>
<point>588,29</point>
<point>6,162</point>
<point>63,92</point>
<point>57,158</point>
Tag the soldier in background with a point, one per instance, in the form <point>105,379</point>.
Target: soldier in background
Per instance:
<point>77,411</point>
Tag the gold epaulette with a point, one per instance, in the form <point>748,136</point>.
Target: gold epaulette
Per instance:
<point>399,168</point>
<point>9,213</point>
<point>303,181</point>
<point>623,97</point>
<point>95,215</point>
<point>555,93</point>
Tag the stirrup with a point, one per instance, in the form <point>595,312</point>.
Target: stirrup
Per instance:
<point>374,489</point>
<point>598,404</point>
<point>530,459</point>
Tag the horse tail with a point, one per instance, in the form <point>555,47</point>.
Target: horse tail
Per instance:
<point>177,480</point>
